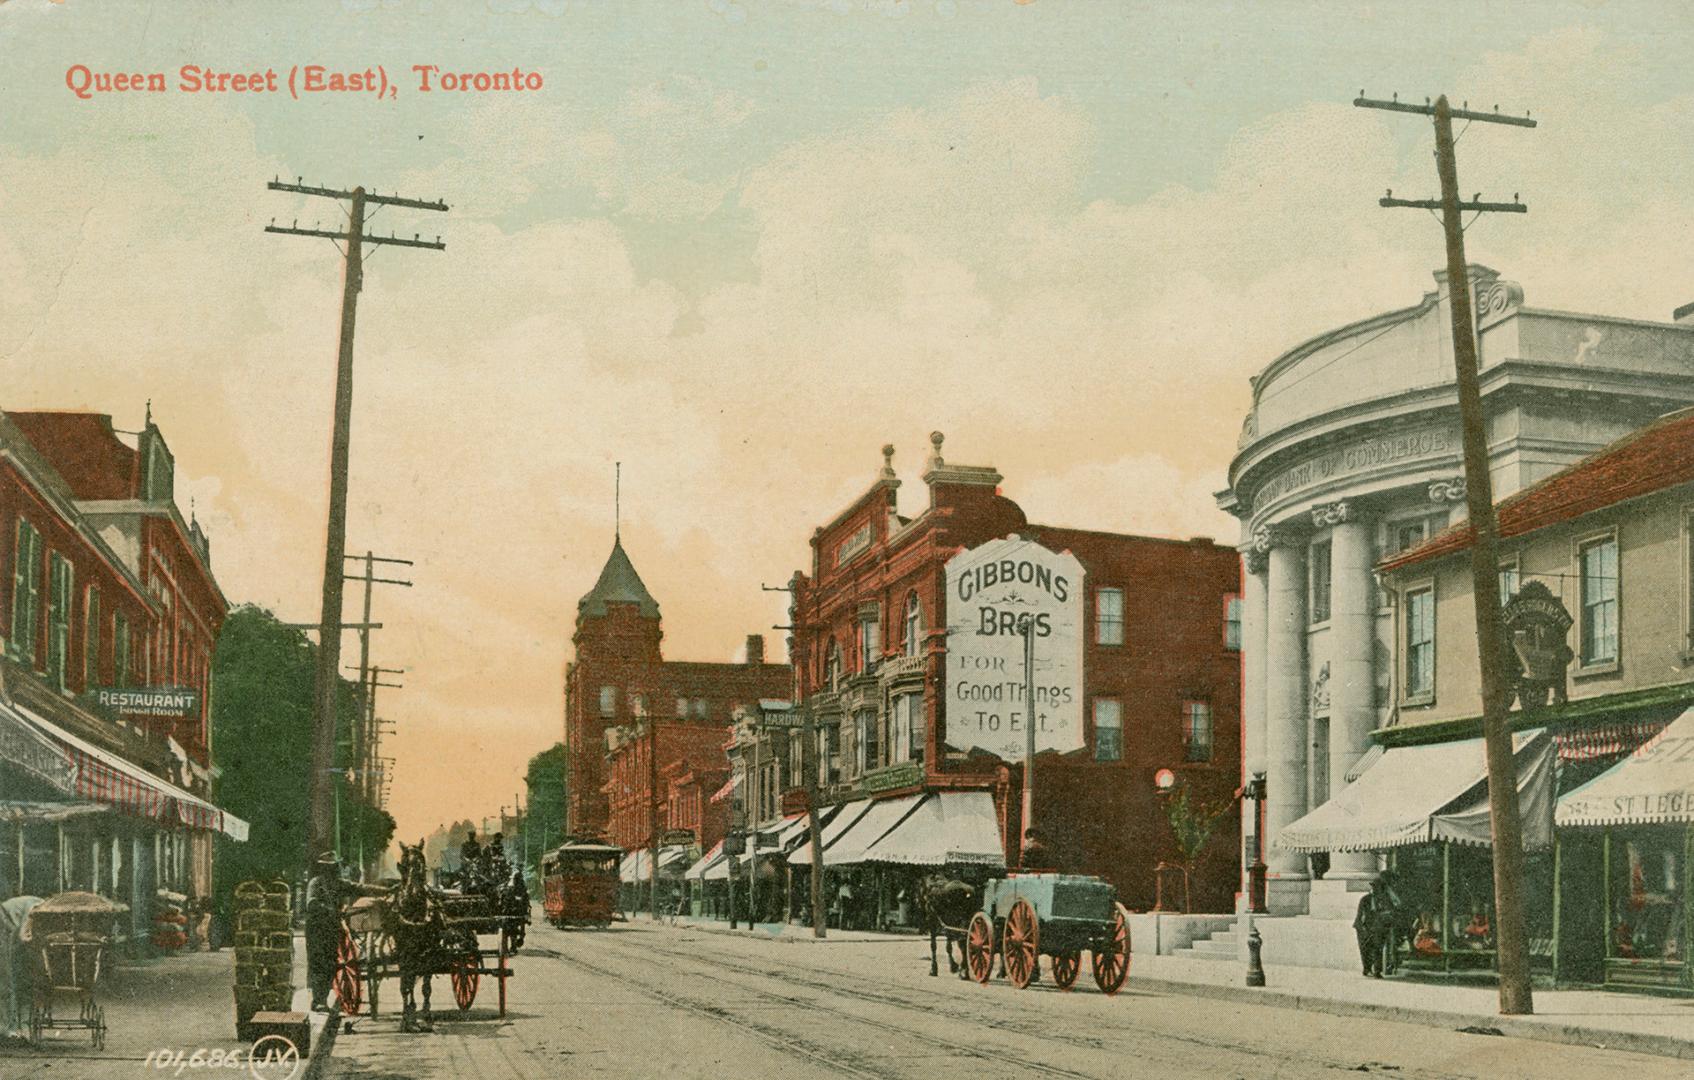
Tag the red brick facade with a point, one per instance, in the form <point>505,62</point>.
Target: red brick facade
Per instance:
<point>620,679</point>
<point>870,566</point>
<point>685,748</point>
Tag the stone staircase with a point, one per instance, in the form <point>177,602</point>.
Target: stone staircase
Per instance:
<point>1323,938</point>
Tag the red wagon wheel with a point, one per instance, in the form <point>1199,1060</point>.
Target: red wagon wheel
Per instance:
<point>465,974</point>
<point>1111,959</point>
<point>1021,943</point>
<point>349,980</point>
<point>504,973</point>
<point>1065,969</point>
<point>979,948</point>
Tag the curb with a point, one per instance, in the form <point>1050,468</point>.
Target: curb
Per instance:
<point>318,1060</point>
<point>1565,1034</point>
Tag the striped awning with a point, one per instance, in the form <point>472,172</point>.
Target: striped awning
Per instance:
<point>104,777</point>
<point>1605,740</point>
<point>1654,785</point>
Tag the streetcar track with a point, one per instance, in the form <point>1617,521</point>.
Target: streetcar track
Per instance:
<point>766,1033</point>
<point>999,1056</point>
<point>796,974</point>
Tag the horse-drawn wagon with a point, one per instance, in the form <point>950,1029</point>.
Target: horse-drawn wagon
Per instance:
<point>1027,916</point>
<point>417,932</point>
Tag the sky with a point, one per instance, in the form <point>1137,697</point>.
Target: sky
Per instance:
<point>737,246</point>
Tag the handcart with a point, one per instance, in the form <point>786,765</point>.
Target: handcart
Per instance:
<point>68,935</point>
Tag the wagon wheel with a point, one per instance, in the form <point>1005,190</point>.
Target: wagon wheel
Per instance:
<point>1021,943</point>
<point>1065,968</point>
<point>1111,956</point>
<point>98,1023</point>
<point>465,974</point>
<point>979,948</point>
<point>349,980</point>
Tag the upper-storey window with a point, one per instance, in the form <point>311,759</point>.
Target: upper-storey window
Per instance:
<point>1420,642</point>
<point>1108,616</point>
<point>870,640</point>
<point>26,591</point>
<point>1196,731</point>
<point>61,592</point>
<point>91,638</point>
<point>1108,729</point>
<point>608,700</point>
<point>1232,608</point>
<point>1320,581</point>
<point>832,666</point>
<point>1598,561</point>
<point>914,625</point>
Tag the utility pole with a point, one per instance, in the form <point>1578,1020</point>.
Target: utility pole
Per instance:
<point>653,814</point>
<point>810,762</point>
<point>364,735</point>
<point>329,639</point>
<point>1028,735</point>
<point>370,767</point>
<point>1511,941</point>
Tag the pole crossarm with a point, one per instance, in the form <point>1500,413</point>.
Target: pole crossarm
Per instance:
<point>369,238</point>
<point>338,626</point>
<point>1427,109</point>
<point>1513,207</point>
<point>376,580</point>
<point>379,558</point>
<point>335,193</point>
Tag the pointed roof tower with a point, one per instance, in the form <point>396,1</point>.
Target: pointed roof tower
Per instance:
<point>618,584</point>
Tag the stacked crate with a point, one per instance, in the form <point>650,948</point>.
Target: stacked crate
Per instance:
<point>264,951</point>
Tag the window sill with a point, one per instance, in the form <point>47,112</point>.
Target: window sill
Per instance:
<point>1589,671</point>
<point>1420,701</point>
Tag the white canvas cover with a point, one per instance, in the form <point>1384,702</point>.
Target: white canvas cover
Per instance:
<point>950,827</point>
<point>876,823</point>
<point>697,871</point>
<point>1654,785</point>
<point>1472,823</point>
<point>1396,800</point>
<point>843,820</point>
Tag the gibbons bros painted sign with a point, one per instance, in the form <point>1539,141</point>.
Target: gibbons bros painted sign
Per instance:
<point>991,591</point>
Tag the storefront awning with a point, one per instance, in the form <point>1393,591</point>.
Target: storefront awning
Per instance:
<point>949,827</point>
<point>845,817</point>
<point>104,777</point>
<point>698,867</point>
<point>48,813</point>
<point>881,819</point>
<point>1396,801</point>
<point>24,747</point>
<point>1654,785</point>
<point>637,865</point>
<point>1473,822</point>
<point>779,836</point>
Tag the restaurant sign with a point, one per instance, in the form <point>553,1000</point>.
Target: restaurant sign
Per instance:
<point>171,701</point>
<point>994,591</point>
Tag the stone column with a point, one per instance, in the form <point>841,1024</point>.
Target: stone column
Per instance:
<point>1285,721</point>
<point>1253,626</point>
<point>1352,678</point>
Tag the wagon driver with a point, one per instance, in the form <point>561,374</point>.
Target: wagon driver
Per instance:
<point>323,927</point>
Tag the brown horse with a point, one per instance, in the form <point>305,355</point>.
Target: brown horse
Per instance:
<point>947,904</point>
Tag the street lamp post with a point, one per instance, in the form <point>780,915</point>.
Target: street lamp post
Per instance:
<point>1254,792</point>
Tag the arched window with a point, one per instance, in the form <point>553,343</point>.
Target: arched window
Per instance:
<point>914,624</point>
<point>832,666</point>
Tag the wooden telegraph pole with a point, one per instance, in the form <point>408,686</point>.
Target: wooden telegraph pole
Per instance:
<point>321,834</point>
<point>1511,941</point>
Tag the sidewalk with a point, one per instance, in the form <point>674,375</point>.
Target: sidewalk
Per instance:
<point>1643,1023</point>
<point>171,1003</point>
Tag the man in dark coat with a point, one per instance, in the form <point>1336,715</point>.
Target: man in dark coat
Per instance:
<point>470,854</point>
<point>323,927</point>
<point>1371,924</point>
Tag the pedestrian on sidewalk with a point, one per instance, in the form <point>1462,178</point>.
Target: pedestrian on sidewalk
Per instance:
<point>1371,925</point>
<point>323,927</point>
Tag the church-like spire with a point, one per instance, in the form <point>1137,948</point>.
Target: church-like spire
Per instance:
<point>618,584</point>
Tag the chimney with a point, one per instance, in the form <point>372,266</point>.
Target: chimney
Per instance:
<point>755,649</point>
<point>1684,315</point>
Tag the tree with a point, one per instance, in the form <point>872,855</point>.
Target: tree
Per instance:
<point>1192,824</point>
<point>262,729</point>
<point>545,786</point>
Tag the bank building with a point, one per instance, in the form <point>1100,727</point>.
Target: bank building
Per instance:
<point>1351,453</point>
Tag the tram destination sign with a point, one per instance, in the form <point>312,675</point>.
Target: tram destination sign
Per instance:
<point>992,590</point>
<point>173,701</point>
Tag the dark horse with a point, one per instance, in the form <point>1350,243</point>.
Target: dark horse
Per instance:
<point>947,904</point>
<point>423,942</point>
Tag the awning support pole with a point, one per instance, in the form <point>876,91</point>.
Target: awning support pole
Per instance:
<point>1446,906</point>
<point>1558,903</point>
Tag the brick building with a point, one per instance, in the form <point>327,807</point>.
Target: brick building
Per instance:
<point>619,683</point>
<point>110,613</point>
<point>1160,687</point>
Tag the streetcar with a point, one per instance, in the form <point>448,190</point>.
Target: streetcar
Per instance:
<point>580,883</point>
